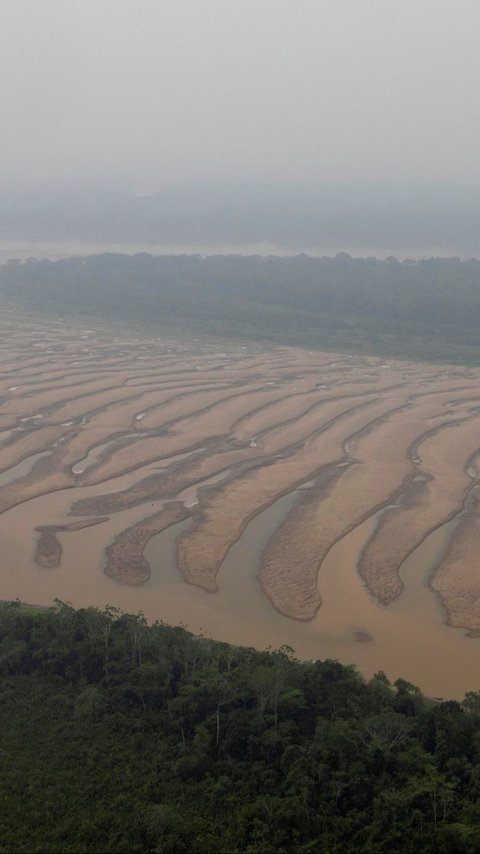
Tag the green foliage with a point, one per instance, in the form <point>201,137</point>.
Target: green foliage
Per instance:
<point>120,736</point>
<point>427,309</point>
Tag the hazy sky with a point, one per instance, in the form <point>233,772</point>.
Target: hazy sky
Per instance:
<point>148,92</point>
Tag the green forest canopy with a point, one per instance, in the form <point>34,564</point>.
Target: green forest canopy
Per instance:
<point>117,736</point>
<point>427,309</point>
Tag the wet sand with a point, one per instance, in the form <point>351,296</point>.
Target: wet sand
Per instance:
<point>312,489</point>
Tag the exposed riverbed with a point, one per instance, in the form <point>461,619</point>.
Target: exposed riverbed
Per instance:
<point>299,462</point>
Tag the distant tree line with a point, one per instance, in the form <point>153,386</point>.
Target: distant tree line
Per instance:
<point>416,309</point>
<point>118,736</point>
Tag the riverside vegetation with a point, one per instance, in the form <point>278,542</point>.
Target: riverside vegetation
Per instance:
<point>118,736</point>
<point>428,309</point>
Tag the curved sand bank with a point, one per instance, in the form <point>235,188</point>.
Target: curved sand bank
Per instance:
<point>125,561</point>
<point>225,511</point>
<point>457,577</point>
<point>124,423</point>
<point>378,464</point>
<point>435,494</point>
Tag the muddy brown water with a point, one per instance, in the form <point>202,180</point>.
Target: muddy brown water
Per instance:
<point>408,638</point>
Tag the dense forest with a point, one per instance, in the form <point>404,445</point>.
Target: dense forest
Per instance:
<point>117,736</point>
<point>412,309</point>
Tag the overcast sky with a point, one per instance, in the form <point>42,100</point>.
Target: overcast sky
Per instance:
<point>143,93</point>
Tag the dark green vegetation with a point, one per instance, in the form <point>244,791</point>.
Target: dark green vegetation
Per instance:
<point>424,310</point>
<point>116,736</point>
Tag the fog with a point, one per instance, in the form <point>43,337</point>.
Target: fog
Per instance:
<point>355,118</point>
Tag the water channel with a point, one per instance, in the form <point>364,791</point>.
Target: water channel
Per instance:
<point>409,638</point>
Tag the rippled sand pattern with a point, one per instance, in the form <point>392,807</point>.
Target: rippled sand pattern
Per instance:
<point>148,433</point>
